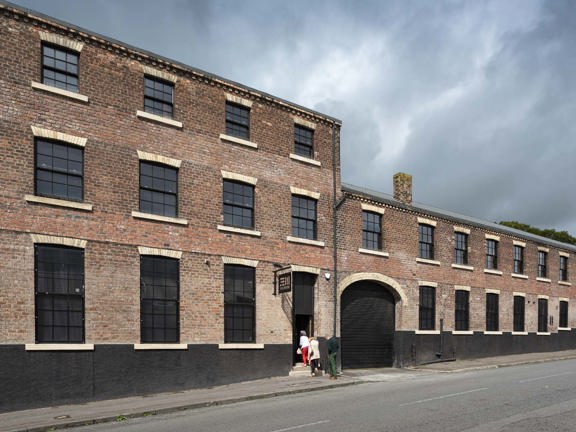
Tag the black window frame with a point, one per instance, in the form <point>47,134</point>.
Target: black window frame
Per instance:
<point>159,96</point>
<point>542,315</point>
<point>237,120</point>
<point>371,230</point>
<point>160,191</point>
<point>239,304</point>
<point>563,269</point>
<point>52,169</point>
<point>426,241</point>
<point>238,204</point>
<point>518,264</point>
<point>542,266</point>
<point>59,294</point>
<point>427,308</point>
<point>460,248</point>
<point>563,314</point>
<point>303,141</point>
<point>492,312</point>
<point>491,254</point>
<point>462,310</point>
<point>63,73</point>
<point>159,299</point>
<point>519,314</point>
<point>304,217</point>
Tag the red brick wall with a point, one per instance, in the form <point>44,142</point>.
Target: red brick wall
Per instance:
<point>400,240</point>
<point>113,80</point>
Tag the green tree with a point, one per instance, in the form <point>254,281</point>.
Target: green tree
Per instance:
<point>561,236</point>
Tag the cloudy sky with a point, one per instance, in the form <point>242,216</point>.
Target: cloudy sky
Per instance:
<point>476,99</point>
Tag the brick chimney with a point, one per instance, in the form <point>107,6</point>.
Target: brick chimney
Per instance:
<point>403,188</point>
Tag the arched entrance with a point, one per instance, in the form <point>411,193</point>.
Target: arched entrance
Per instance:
<point>367,325</point>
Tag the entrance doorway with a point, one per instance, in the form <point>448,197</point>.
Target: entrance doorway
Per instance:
<point>303,307</point>
<point>367,326</point>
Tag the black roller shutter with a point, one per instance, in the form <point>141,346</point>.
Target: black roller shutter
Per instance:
<point>367,326</point>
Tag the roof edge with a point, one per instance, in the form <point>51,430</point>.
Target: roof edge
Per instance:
<point>82,32</point>
<point>388,199</point>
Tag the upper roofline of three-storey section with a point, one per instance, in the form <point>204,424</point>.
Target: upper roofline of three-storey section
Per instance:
<point>147,56</point>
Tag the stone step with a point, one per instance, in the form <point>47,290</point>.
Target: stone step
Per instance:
<point>300,370</point>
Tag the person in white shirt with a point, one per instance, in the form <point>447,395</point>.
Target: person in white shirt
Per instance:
<point>304,345</point>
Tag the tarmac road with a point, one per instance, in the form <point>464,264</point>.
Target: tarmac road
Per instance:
<point>528,398</point>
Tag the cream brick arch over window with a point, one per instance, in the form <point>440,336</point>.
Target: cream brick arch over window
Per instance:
<point>376,277</point>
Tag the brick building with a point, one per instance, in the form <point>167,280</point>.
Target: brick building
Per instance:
<point>454,286</point>
<point>164,228</point>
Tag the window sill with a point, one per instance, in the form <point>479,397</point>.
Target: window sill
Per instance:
<point>160,346</point>
<point>519,333</point>
<point>305,159</point>
<point>373,252</point>
<point>462,267</point>
<point>543,333</point>
<point>489,332</point>
<point>305,241</point>
<point>427,261</point>
<point>239,230</point>
<point>427,332</point>
<point>59,347</point>
<point>158,119</point>
<point>564,329</point>
<point>462,332</point>
<point>239,346</point>
<point>519,276</point>
<point>58,202</point>
<point>564,283</point>
<point>60,92</point>
<point>493,272</point>
<point>240,141</point>
<point>153,217</point>
<point>546,280</point>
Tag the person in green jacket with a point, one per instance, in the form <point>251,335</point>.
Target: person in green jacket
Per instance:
<point>333,347</point>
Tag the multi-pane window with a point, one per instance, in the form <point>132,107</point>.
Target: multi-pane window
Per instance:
<point>492,312</point>
<point>158,97</point>
<point>542,265</point>
<point>427,308</point>
<point>158,189</point>
<point>303,141</point>
<point>563,272</point>
<point>303,217</point>
<point>460,248</point>
<point>426,241</point>
<point>239,304</point>
<point>60,67</point>
<point>491,254</point>
<point>462,310</point>
<point>542,315</point>
<point>59,293</point>
<point>518,259</point>
<point>238,204</point>
<point>519,313</point>
<point>237,120</point>
<point>563,321</point>
<point>59,170</point>
<point>371,230</point>
<point>159,299</point>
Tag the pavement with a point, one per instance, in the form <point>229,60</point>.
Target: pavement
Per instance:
<point>116,410</point>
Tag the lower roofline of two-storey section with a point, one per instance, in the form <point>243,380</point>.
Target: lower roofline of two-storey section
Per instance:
<point>451,216</point>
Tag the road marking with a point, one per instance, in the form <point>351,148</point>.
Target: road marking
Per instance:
<point>301,426</point>
<point>544,377</point>
<point>444,397</point>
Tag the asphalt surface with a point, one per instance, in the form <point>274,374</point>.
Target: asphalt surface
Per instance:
<point>65,416</point>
